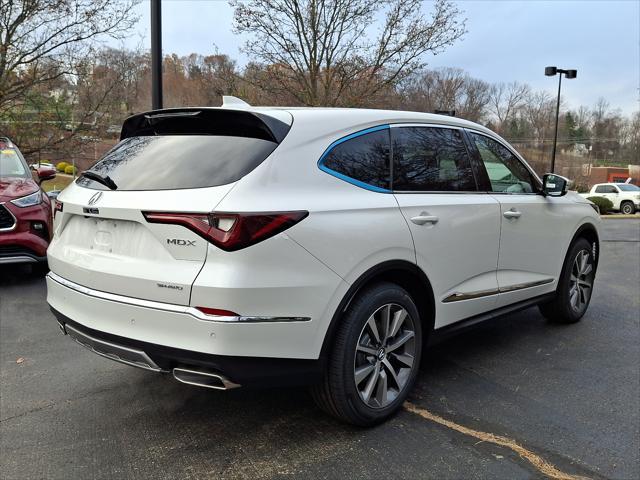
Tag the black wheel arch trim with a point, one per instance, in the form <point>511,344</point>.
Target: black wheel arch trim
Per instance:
<point>582,229</point>
<point>425,304</point>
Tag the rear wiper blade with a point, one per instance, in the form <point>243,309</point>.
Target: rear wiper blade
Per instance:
<point>106,180</point>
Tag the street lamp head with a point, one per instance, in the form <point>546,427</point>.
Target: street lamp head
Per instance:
<point>571,74</point>
<point>550,71</point>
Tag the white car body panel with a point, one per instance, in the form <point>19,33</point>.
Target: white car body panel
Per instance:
<point>464,262</point>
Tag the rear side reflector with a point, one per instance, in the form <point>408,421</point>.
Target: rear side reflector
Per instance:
<point>217,312</point>
<point>230,231</point>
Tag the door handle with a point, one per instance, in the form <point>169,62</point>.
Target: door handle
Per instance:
<point>512,214</point>
<point>424,218</point>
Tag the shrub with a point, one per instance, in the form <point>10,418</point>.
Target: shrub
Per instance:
<point>604,204</point>
<point>61,166</point>
<point>70,170</point>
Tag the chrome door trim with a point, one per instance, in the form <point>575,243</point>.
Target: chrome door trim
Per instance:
<point>458,296</point>
<point>169,307</point>
<point>520,286</point>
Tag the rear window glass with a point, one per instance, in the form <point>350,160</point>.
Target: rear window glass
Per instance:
<point>179,161</point>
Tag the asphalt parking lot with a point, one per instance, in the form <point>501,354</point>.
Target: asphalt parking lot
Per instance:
<point>566,396</point>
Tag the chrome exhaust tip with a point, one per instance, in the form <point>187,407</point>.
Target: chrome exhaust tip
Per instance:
<point>203,379</point>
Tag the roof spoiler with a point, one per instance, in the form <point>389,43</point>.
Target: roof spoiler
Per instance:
<point>206,121</point>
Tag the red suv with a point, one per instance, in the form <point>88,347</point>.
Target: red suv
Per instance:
<point>25,210</point>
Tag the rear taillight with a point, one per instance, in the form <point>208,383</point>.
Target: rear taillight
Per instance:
<point>230,231</point>
<point>57,208</point>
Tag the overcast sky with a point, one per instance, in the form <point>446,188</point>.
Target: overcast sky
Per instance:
<point>506,41</point>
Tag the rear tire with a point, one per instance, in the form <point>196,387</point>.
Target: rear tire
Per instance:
<point>575,286</point>
<point>628,208</point>
<point>375,357</point>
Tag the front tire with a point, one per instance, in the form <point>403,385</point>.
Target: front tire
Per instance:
<point>575,286</point>
<point>628,208</point>
<point>375,358</point>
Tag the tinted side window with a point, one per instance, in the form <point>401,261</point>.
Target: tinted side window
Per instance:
<point>430,159</point>
<point>606,189</point>
<point>506,172</point>
<point>364,158</point>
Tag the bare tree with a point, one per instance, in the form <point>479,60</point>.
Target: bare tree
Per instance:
<point>447,89</point>
<point>322,51</point>
<point>36,32</point>
<point>506,99</point>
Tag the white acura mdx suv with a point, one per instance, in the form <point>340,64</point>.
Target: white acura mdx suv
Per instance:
<point>241,246</point>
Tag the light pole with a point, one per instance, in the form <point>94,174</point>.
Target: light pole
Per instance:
<point>156,54</point>
<point>550,72</point>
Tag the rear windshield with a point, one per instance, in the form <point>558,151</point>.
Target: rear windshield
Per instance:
<point>179,161</point>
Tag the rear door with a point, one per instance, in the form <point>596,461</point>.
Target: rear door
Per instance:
<point>102,240</point>
<point>455,228</point>
<point>609,192</point>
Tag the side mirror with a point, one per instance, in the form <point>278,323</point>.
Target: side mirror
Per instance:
<point>554,185</point>
<point>45,174</point>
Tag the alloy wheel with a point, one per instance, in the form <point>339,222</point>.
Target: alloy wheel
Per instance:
<point>385,354</point>
<point>581,281</point>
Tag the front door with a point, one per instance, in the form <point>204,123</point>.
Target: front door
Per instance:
<point>534,229</point>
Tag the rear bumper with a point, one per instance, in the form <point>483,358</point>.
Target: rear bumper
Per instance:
<point>259,351</point>
<point>231,371</point>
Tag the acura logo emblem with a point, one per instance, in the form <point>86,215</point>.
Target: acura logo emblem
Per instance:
<point>94,198</point>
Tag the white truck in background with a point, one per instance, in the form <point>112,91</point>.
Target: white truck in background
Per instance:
<point>624,196</point>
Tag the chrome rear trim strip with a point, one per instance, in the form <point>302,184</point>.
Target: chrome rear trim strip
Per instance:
<point>458,296</point>
<point>168,307</point>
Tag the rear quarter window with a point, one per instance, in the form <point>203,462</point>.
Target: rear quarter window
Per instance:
<point>362,159</point>
<point>171,162</point>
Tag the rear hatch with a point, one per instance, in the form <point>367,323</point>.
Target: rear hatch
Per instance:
<point>183,160</point>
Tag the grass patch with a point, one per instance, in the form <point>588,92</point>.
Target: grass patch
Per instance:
<point>58,183</point>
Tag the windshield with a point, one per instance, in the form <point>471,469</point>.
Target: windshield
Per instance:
<point>171,162</point>
<point>627,187</point>
<point>12,165</point>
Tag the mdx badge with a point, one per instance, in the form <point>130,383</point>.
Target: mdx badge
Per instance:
<point>180,242</point>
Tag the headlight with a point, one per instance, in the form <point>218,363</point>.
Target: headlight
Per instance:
<point>29,201</point>
<point>595,207</point>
